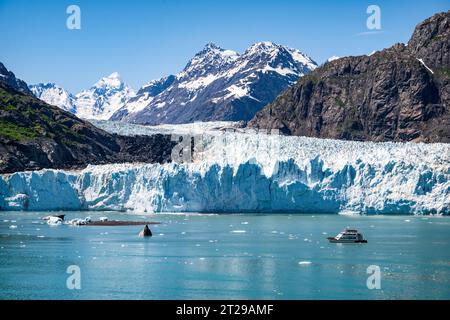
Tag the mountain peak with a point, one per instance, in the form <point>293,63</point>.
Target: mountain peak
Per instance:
<point>209,60</point>
<point>114,75</point>
<point>212,46</point>
<point>55,95</point>
<point>104,98</point>
<point>212,49</point>
<point>263,46</point>
<point>219,84</point>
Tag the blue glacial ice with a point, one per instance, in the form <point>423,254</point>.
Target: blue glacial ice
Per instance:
<point>247,172</point>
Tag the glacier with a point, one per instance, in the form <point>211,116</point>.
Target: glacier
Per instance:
<point>240,171</point>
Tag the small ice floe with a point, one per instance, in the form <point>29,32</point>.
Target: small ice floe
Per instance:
<point>13,226</point>
<point>304,263</point>
<point>54,221</point>
<point>407,220</point>
<point>238,231</point>
<point>103,219</point>
<point>245,222</point>
<point>5,220</point>
<point>41,236</point>
<point>324,233</point>
<point>274,231</point>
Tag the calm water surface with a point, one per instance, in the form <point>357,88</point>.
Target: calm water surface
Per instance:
<point>225,256</point>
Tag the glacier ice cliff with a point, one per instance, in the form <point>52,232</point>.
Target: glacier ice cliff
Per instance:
<point>246,172</point>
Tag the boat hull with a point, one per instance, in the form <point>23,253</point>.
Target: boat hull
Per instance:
<point>334,240</point>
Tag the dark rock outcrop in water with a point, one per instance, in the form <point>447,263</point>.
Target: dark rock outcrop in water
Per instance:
<point>145,232</point>
<point>398,94</point>
<point>35,135</point>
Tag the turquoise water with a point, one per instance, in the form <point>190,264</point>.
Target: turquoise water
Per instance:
<point>225,256</point>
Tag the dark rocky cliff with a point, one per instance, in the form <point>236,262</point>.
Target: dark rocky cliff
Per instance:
<point>398,94</point>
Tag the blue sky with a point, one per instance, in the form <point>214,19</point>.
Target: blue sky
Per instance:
<point>144,40</point>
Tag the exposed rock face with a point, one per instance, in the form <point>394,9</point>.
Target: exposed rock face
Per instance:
<point>398,94</point>
<point>35,135</point>
<point>431,41</point>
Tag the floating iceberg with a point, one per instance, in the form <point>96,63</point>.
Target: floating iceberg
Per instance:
<point>247,172</point>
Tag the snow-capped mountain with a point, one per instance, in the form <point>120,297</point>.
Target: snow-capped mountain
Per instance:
<point>99,102</point>
<point>219,84</point>
<point>233,173</point>
<point>104,98</point>
<point>54,95</point>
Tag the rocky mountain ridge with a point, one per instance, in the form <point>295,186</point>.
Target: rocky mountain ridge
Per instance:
<point>397,94</point>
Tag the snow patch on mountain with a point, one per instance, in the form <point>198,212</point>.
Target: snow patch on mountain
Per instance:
<point>55,95</point>
<point>103,99</point>
<point>332,58</point>
<point>143,97</point>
